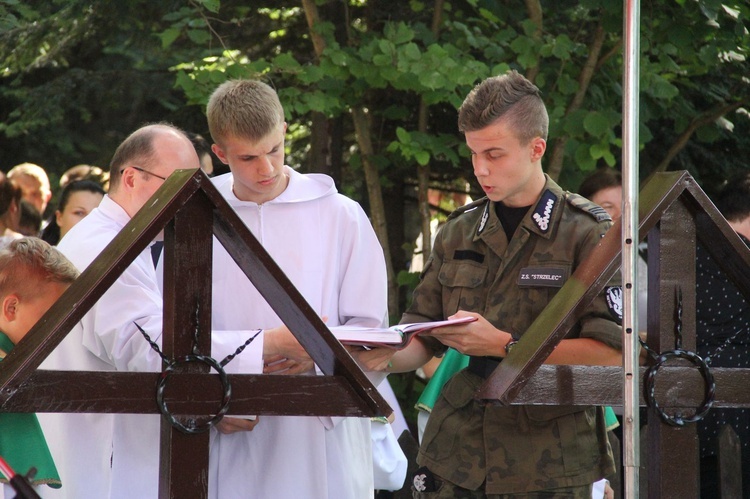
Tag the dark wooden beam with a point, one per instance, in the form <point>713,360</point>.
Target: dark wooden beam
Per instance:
<point>676,386</point>
<point>186,331</point>
<point>186,393</point>
<point>671,258</point>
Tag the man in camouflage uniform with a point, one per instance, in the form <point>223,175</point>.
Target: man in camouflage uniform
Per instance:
<point>502,259</point>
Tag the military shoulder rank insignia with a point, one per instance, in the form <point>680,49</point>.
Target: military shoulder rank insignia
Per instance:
<point>543,211</point>
<point>589,207</point>
<point>468,207</point>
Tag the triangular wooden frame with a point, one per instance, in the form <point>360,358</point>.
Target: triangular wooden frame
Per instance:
<point>191,210</point>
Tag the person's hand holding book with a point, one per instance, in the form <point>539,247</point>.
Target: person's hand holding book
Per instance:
<point>479,337</point>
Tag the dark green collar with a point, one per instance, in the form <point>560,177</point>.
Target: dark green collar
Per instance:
<point>5,345</point>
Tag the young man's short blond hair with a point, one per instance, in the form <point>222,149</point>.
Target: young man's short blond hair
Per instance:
<point>247,109</point>
<point>29,262</point>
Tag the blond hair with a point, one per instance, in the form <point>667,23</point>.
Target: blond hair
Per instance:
<point>247,109</point>
<point>34,171</point>
<point>29,262</point>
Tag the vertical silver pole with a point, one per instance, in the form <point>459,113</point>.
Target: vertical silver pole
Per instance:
<point>630,348</point>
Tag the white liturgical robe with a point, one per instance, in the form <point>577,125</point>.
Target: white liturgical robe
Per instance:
<point>117,456</point>
<point>326,246</point>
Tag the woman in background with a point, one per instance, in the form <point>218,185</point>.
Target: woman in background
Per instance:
<point>77,200</point>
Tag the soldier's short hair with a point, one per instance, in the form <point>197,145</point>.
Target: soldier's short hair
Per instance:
<point>29,262</point>
<point>247,109</point>
<point>510,97</point>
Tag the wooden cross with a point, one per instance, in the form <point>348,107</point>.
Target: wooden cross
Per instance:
<point>192,210</point>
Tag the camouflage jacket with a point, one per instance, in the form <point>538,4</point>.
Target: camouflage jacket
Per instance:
<point>474,267</point>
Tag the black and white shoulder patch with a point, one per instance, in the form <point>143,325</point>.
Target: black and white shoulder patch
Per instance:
<point>614,301</point>
<point>543,210</point>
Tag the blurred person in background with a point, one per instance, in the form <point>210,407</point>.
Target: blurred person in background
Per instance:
<point>31,220</point>
<point>604,187</point>
<point>85,172</point>
<point>10,211</point>
<point>203,149</point>
<point>34,184</point>
<point>77,200</point>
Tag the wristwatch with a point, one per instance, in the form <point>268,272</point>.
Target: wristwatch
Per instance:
<point>511,343</point>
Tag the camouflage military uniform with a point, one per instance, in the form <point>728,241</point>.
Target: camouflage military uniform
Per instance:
<point>515,449</point>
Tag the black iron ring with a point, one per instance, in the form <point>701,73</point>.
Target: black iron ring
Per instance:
<point>193,427</point>
<point>708,383</point>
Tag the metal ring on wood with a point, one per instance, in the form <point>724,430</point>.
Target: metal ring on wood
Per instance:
<point>193,427</point>
<point>708,383</point>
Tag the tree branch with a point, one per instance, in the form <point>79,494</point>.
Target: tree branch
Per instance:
<point>423,172</point>
<point>534,8</point>
<point>584,80</point>
<point>372,176</point>
<point>703,119</point>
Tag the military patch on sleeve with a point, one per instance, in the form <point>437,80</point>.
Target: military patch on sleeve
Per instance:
<point>614,301</point>
<point>543,211</point>
<point>424,480</point>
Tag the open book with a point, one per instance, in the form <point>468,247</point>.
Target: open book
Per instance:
<point>392,337</point>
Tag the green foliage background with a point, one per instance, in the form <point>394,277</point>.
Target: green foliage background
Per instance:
<point>78,76</point>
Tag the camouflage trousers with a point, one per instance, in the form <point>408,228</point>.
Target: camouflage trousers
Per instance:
<point>446,490</point>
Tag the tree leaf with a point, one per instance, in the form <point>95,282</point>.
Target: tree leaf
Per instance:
<point>211,5</point>
<point>403,135</point>
<point>596,124</point>
<point>168,37</point>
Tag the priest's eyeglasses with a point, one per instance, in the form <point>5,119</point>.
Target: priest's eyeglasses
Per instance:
<point>144,171</point>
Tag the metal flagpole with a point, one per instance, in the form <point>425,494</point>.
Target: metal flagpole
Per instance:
<point>630,347</point>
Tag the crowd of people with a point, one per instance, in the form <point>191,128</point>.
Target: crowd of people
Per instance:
<point>499,259</point>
